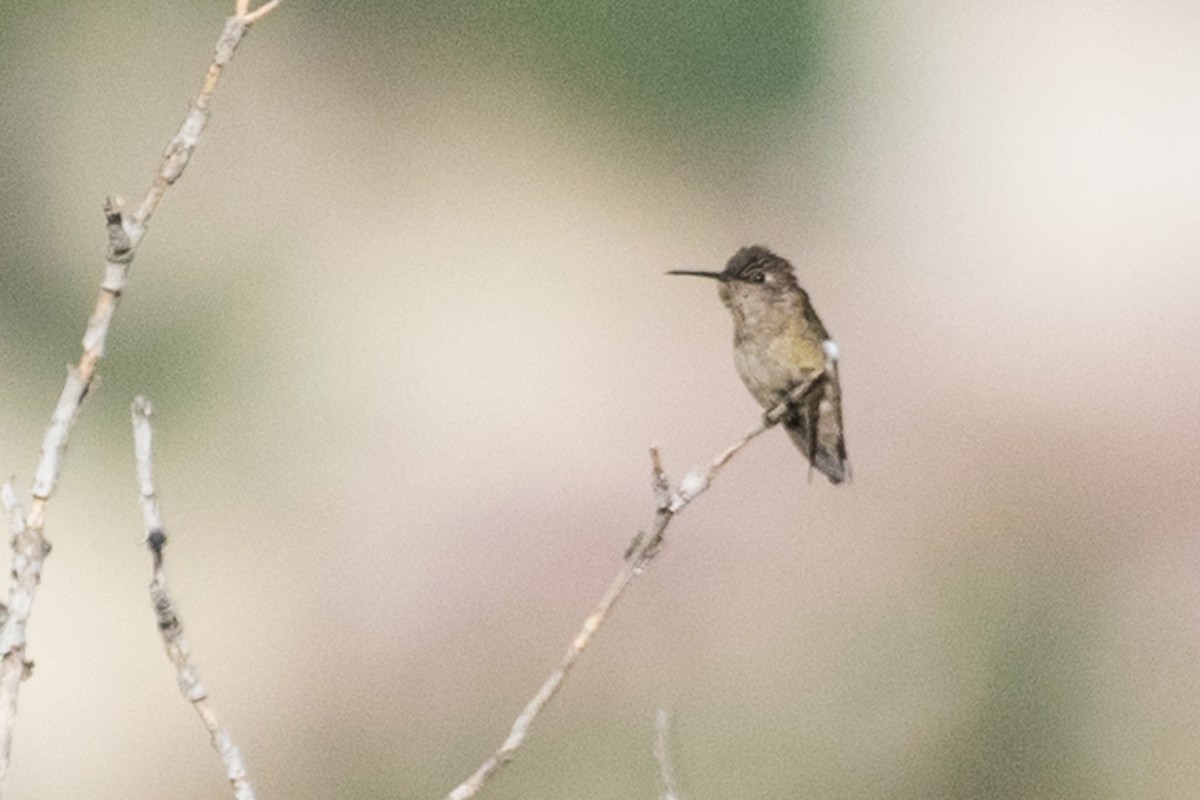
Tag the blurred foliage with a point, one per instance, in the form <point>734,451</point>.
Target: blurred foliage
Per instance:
<point>699,65</point>
<point>702,70</point>
<point>1027,632</point>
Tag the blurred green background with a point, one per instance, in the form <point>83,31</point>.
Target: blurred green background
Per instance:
<point>406,328</point>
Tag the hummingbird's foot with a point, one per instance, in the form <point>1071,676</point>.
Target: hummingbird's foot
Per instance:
<point>646,554</point>
<point>634,545</point>
<point>798,397</point>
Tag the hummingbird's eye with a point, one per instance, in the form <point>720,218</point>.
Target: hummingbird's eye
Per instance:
<point>758,277</point>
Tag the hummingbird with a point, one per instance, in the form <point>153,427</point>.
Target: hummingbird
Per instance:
<point>779,345</point>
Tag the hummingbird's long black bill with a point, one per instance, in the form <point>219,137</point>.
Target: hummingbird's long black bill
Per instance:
<point>720,276</point>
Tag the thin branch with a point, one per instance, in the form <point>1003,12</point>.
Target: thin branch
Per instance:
<point>170,626</point>
<point>667,504</point>
<point>124,235</point>
<point>260,12</point>
<point>179,149</point>
<point>143,455</point>
<point>29,550</point>
<point>662,754</point>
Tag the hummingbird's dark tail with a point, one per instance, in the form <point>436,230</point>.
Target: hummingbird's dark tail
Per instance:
<point>828,460</point>
<point>816,429</point>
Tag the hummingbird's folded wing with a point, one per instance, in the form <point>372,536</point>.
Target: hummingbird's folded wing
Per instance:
<point>815,427</point>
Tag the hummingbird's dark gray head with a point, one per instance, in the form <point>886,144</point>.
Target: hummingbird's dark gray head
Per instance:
<point>753,276</point>
<point>759,266</point>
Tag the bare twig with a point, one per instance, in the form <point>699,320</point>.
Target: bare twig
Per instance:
<point>179,149</point>
<point>29,550</point>
<point>662,754</point>
<point>645,547</point>
<point>170,626</point>
<point>124,235</point>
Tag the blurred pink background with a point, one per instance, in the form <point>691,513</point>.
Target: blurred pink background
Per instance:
<point>407,332</point>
